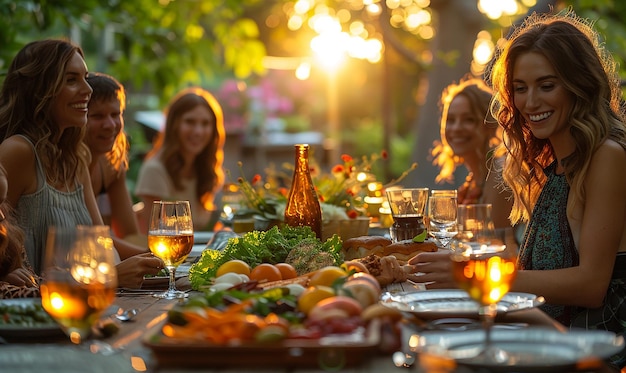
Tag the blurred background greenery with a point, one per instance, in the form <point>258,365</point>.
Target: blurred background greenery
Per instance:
<point>365,74</point>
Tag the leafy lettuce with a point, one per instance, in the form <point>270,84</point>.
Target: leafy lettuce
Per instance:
<point>256,247</point>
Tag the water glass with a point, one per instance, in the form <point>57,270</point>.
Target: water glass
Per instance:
<point>442,215</point>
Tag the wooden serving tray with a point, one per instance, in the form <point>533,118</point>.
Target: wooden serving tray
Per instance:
<point>328,353</point>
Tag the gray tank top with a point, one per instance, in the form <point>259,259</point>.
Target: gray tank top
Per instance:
<point>48,207</point>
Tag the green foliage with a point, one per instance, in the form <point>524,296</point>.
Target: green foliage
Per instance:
<point>401,157</point>
<point>162,46</point>
<point>608,17</point>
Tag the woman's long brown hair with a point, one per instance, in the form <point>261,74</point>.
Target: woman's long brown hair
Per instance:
<point>208,164</point>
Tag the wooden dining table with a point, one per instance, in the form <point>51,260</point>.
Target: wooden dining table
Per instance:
<point>127,347</point>
<point>130,346</point>
<point>129,341</point>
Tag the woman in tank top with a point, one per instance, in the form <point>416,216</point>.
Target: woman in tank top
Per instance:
<point>186,160</point>
<point>43,112</point>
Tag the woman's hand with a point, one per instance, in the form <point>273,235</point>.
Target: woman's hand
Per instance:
<point>433,269</point>
<point>130,272</point>
<point>21,277</point>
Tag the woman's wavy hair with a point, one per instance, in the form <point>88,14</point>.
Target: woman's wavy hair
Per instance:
<point>34,80</point>
<point>479,95</point>
<point>107,88</point>
<point>588,72</point>
<point>208,164</point>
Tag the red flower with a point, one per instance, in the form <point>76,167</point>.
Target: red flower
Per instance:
<point>384,154</point>
<point>352,214</point>
<point>256,179</point>
<point>346,158</point>
<point>283,191</point>
<point>337,169</point>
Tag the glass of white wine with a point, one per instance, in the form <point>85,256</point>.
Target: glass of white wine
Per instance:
<point>170,238</point>
<point>79,277</point>
<point>485,269</point>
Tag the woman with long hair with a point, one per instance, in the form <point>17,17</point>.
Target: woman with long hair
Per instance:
<point>43,112</point>
<point>558,100</point>
<point>186,160</point>
<point>469,137</point>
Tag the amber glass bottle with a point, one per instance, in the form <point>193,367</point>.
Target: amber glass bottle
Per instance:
<point>303,206</point>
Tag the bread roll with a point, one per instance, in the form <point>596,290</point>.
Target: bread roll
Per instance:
<point>360,247</point>
<point>405,250</point>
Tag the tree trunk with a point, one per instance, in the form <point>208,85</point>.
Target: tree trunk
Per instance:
<point>457,24</point>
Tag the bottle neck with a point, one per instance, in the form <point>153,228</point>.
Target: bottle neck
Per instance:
<point>302,158</point>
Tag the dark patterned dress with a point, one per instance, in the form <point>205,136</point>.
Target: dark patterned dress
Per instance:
<point>548,244</point>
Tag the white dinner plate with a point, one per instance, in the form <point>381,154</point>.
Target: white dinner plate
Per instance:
<point>530,349</point>
<point>453,303</point>
<point>33,358</point>
<point>38,330</point>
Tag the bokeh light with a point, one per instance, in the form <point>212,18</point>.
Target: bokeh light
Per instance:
<point>350,30</point>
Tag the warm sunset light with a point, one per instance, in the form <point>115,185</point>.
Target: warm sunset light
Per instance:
<point>329,48</point>
<point>303,71</point>
<point>340,35</point>
<point>495,9</point>
<point>258,153</point>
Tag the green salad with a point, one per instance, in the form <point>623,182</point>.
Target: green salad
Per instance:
<point>256,247</point>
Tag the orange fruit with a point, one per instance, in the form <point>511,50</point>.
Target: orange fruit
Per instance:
<point>312,295</point>
<point>265,272</point>
<point>286,270</point>
<point>234,266</point>
<point>327,276</point>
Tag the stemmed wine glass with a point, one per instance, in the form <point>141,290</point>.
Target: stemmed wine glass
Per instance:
<point>79,277</point>
<point>170,237</point>
<point>442,215</point>
<point>486,271</point>
<point>475,224</point>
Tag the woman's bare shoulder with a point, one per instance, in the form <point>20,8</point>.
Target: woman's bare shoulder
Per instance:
<point>16,145</point>
<point>608,158</point>
<point>16,152</point>
<point>109,172</point>
<point>17,156</point>
<point>608,155</point>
